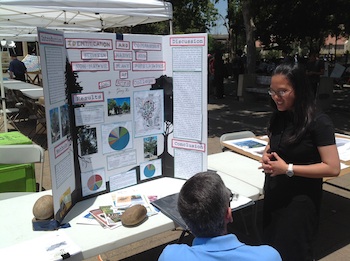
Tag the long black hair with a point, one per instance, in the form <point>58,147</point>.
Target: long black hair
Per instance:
<point>304,106</point>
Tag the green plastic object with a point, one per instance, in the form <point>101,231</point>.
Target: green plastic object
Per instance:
<point>13,138</point>
<point>16,177</point>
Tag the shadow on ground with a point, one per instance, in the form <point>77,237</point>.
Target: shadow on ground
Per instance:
<point>230,114</point>
<point>29,128</point>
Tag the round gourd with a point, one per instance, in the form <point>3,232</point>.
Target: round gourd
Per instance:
<point>134,216</point>
<point>43,208</point>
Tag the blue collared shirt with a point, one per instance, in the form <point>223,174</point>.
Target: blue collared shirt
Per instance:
<point>226,247</point>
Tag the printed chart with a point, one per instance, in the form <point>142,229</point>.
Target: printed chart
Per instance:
<point>93,181</point>
<point>150,169</point>
<point>118,138</point>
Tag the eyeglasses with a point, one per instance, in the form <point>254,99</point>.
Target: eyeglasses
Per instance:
<point>280,93</point>
<point>231,196</point>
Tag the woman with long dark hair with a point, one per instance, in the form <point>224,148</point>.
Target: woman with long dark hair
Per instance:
<point>301,151</point>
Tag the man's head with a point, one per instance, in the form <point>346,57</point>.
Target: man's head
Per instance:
<point>204,204</point>
<point>13,56</point>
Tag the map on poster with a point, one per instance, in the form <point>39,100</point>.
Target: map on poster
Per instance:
<point>148,112</point>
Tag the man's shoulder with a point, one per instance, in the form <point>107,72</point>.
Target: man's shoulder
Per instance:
<point>263,252</point>
<point>173,251</point>
<point>242,252</point>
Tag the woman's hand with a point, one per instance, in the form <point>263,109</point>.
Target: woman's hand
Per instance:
<point>265,162</point>
<point>277,166</point>
<point>273,165</point>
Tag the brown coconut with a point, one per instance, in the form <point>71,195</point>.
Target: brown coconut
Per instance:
<point>43,208</point>
<point>134,216</point>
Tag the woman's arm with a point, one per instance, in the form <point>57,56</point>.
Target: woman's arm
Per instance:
<point>329,167</point>
<point>265,158</point>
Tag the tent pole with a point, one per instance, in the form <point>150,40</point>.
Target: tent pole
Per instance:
<point>3,100</point>
<point>170,26</point>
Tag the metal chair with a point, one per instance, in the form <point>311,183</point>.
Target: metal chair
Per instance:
<point>11,116</point>
<point>40,117</point>
<point>234,136</point>
<point>23,154</point>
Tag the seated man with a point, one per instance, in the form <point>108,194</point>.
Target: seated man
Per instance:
<point>17,69</point>
<point>204,204</point>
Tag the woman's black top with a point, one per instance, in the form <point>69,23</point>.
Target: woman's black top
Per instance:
<point>280,190</point>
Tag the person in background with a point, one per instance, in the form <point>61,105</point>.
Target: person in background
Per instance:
<point>301,151</point>
<point>286,58</point>
<point>238,64</point>
<point>204,204</point>
<point>17,69</point>
<point>210,74</point>
<point>219,74</point>
<point>314,69</point>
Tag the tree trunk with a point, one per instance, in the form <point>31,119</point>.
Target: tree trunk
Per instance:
<point>250,37</point>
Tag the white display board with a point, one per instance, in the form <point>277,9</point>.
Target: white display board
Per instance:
<point>122,109</point>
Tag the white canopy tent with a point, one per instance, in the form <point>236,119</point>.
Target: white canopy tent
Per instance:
<point>19,19</point>
<point>23,16</point>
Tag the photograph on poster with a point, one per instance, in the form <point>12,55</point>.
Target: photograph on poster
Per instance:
<point>65,123</point>
<point>118,106</point>
<point>148,112</point>
<point>88,141</point>
<point>116,137</point>
<point>55,125</point>
<point>93,181</point>
<point>150,169</point>
<point>150,148</point>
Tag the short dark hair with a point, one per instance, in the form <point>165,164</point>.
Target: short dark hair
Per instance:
<point>13,55</point>
<point>203,202</point>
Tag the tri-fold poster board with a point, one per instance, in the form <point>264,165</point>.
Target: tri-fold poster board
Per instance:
<point>122,109</point>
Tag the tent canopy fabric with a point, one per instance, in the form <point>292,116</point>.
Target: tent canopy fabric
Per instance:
<point>19,18</point>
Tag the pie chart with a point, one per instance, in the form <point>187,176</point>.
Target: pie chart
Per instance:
<point>94,182</point>
<point>118,138</point>
<point>149,170</point>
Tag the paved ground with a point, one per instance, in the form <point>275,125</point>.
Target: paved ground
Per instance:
<point>229,115</point>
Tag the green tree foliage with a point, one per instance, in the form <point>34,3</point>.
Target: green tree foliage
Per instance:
<point>111,104</point>
<point>236,24</point>
<point>150,145</point>
<point>125,107</point>
<point>195,16</point>
<point>189,16</point>
<point>294,20</point>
